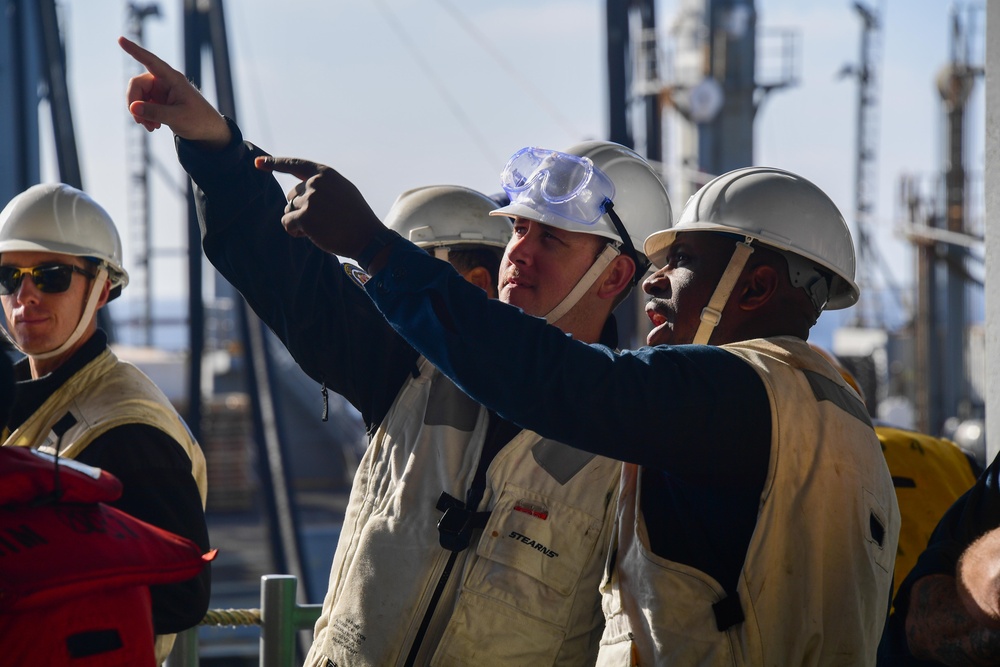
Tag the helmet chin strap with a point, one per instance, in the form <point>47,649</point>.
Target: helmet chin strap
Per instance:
<point>81,326</point>
<point>584,284</point>
<point>712,313</point>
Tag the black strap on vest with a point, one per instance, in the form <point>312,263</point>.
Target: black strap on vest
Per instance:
<point>65,423</point>
<point>460,519</point>
<point>728,612</point>
<point>456,525</point>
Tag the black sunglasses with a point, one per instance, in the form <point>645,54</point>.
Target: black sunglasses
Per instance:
<point>50,278</point>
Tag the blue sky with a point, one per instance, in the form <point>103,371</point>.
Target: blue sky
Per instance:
<point>401,93</point>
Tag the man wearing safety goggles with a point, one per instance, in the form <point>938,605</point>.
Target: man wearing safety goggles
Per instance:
<point>467,540</point>
<point>61,261</point>
<point>757,522</point>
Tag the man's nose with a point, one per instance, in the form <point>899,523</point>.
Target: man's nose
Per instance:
<point>656,284</point>
<point>27,290</point>
<point>520,251</point>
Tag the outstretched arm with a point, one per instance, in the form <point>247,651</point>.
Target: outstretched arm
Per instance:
<point>549,378</point>
<point>304,295</point>
<point>163,96</point>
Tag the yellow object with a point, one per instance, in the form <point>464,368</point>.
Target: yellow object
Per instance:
<point>929,474</point>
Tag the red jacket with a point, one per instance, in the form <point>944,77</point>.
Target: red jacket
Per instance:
<point>74,572</point>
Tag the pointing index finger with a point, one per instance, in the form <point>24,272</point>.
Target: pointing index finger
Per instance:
<point>146,58</point>
<point>297,167</point>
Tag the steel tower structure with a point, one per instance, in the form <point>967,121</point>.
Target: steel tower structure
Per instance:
<point>867,313</point>
<point>137,160</point>
<point>708,73</point>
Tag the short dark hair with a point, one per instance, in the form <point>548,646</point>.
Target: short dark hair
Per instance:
<point>467,257</point>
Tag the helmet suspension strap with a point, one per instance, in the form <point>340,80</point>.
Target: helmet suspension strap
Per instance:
<point>611,250</point>
<point>641,264</point>
<point>712,314</point>
<point>588,279</point>
<point>88,313</point>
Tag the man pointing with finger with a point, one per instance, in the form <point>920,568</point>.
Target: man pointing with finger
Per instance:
<point>466,540</point>
<point>757,522</point>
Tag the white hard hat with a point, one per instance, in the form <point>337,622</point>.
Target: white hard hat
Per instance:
<point>638,194</point>
<point>779,209</point>
<point>595,187</point>
<point>641,199</point>
<point>447,215</point>
<point>54,217</point>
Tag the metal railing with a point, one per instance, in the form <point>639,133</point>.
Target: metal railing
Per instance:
<point>280,617</point>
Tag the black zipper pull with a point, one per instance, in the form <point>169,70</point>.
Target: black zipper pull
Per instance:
<point>326,402</point>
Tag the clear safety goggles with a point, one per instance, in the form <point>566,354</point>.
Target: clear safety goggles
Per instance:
<point>565,185</point>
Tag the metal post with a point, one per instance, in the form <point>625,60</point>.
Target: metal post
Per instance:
<point>616,20</point>
<point>277,611</point>
<point>62,114</point>
<point>185,651</point>
<point>992,189</point>
<point>196,306</point>
<point>281,619</point>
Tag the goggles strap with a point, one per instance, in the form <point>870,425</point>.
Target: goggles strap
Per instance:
<point>88,314</point>
<point>712,314</point>
<point>584,284</point>
<point>640,266</point>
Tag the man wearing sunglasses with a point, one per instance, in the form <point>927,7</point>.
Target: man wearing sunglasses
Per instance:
<point>757,522</point>
<point>61,261</point>
<point>466,539</point>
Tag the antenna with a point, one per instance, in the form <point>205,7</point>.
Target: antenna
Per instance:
<point>868,312</point>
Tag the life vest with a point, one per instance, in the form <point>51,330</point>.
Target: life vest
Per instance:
<point>524,589</point>
<point>814,588</point>
<point>102,395</point>
<point>74,572</point>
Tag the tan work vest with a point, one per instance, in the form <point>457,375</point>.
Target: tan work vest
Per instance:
<point>525,593</point>
<point>104,394</point>
<point>814,588</point>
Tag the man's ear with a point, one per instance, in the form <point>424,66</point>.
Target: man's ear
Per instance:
<point>617,277</point>
<point>481,278</point>
<point>759,286</point>
<point>105,293</point>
